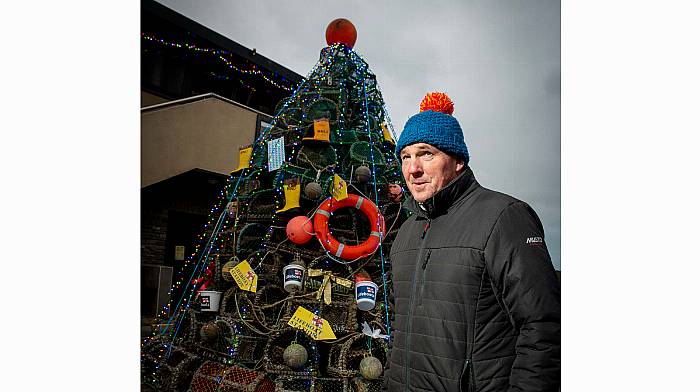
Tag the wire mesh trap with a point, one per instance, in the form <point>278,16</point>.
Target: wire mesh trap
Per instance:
<point>274,360</point>
<point>214,377</point>
<point>344,359</point>
<point>167,370</point>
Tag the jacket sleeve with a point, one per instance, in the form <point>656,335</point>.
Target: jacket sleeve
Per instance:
<point>527,287</point>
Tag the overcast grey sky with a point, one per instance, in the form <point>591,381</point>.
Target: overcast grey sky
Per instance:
<point>498,60</point>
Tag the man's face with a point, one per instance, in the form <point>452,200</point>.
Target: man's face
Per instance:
<point>427,169</point>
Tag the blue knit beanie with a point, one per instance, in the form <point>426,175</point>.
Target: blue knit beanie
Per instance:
<point>434,125</point>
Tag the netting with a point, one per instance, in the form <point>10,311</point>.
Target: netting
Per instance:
<point>322,108</point>
<point>249,239</point>
<point>318,157</point>
<point>271,300</point>
<point>274,361</point>
<point>360,154</point>
<point>214,377</point>
<point>344,359</point>
<point>171,372</point>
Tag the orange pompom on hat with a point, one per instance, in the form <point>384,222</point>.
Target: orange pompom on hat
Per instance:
<point>437,102</point>
<point>435,125</point>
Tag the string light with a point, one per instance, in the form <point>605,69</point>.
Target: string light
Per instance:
<point>224,77</point>
<point>221,55</point>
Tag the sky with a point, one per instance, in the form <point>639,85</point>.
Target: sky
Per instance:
<point>499,61</point>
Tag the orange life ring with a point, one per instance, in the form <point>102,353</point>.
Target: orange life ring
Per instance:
<point>349,252</point>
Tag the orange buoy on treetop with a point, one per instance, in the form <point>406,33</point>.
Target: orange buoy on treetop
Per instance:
<point>300,230</point>
<point>341,31</point>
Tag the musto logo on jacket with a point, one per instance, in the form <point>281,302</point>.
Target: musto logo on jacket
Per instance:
<point>534,241</point>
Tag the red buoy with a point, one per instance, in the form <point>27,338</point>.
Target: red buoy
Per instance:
<point>300,230</point>
<point>341,31</point>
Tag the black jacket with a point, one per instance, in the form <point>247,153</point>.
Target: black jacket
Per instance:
<point>476,296</point>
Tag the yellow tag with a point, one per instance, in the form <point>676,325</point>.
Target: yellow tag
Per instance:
<point>244,154</point>
<point>340,188</point>
<point>314,272</point>
<point>244,276</point>
<point>322,129</point>
<point>387,135</point>
<point>327,290</point>
<point>312,325</point>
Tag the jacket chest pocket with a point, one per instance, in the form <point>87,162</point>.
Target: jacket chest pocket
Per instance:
<point>447,275</point>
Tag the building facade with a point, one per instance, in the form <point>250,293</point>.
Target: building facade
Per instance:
<point>202,97</point>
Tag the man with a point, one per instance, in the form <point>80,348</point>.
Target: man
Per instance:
<point>476,296</point>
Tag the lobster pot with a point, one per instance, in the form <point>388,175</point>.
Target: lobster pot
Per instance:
<point>360,154</point>
<point>322,107</point>
<point>318,155</point>
<point>274,361</point>
<point>214,377</point>
<point>344,359</point>
<point>233,295</point>
<point>209,300</point>
<point>293,384</point>
<point>295,250</point>
<point>247,186</point>
<point>327,384</point>
<point>341,315</point>
<point>249,239</point>
<point>311,305</point>
<point>291,115</point>
<point>249,348</point>
<point>269,270</point>
<point>316,384</point>
<point>345,138</point>
<point>338,292</point>
<point>167,374</point>
<point>264,210</point>
<point>359,384</point>
<point>187,328</point>
<point>268,313</point>
<point>225,342</point>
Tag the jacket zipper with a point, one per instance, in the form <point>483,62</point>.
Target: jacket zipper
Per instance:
<point>422,277</point>
<point>472,378</point>
<point>465,369</point>
<point>410,305</point>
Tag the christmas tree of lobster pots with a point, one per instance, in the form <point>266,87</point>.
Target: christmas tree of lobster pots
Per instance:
<point>290,288</point>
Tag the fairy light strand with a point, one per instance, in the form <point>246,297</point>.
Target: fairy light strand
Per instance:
<point>220,54</point>
<point>376,198</point>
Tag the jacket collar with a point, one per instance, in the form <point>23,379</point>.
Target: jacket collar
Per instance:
<point>441,201</point>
